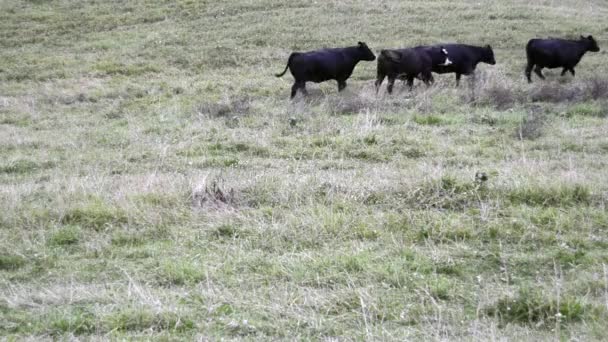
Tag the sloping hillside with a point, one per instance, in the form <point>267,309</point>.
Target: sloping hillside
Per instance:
<point>156,182</point>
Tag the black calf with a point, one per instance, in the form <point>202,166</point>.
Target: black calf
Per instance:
<point>323,65</point>
<point>409,64</point>
<point>557,53</point>
<point>464,59</point>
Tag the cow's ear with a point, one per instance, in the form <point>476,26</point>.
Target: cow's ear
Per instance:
<point>590,37</point>
<point>362,44</point>
<point>488,47</point>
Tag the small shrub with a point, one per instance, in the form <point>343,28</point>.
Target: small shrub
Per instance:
<point>216,196</point>
<point>121,238</point>
<point>589,109</point>
<point>180,272</point>
<point>548,196</point>
<point>228,231</point>
<point>370,139</point>
<point>111,68</point>
<point>96,215</point>
<point>219,57</point>
<point>228,107</point>
<point>218,162</point>
<point>440,289</point>
<point>430,120</point>
<point>23,166</point>
<point>65,236</point>
<point>265,192</point>
<point>77,321</point>
<point>501,97</point>
<point>364,232</point>
<point>39,2</point>
<point>143,320</point>
<point>346,105</point>
<point>10,262</point>
<point>531,126</point>
<point>485,119</point>
<point>597,88</point>
<point>400,224</point>
<point>445,193</point>
<point>568,258</point>
<point>322,141</point>
<point>449,269</point>
<point>158,199</point>
<point>346,304</point>
<point>367,154</point>
<point>224,309</point>
<point>530,307</point>
<point>555,93</point>
<point>352,263</point>
<point>413,153</point>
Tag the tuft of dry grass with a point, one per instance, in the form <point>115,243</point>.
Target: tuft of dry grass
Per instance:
<point>556,92</point>
<point>531,126</point>
<point>213,195</point>
<point>228,107</point>
<point>502,97</point>
<point>345,105</point>
<point>597,88</point>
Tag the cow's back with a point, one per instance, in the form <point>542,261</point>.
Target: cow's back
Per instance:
<point>551,53</point>
<point>403,61</point>
<point>315,66</point>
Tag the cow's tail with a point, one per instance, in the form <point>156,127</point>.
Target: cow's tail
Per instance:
<point>288,64</point>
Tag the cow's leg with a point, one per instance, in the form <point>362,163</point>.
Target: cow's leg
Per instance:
<point>341,85</point>
<point>410,82</point>
<point>458,79</point>
<point>427,78</point>
<point>572,71</point>
<point>303,89</point>
<point>294,89</point>
<point>391,83</point>
<point>298,85</point>
<point>473,78</point>
<point>539,71</point>
<point>379,79</point>
<point>564,71</point>
<point>529,71</point>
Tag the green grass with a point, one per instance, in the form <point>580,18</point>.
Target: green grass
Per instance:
<point>533,308</point>
<point>157,183</point>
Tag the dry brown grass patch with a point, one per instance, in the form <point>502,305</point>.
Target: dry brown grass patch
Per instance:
<point>213,195</point>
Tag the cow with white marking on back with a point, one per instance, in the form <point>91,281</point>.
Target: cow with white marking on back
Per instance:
<point>464,58</point>
<point>557,53</point>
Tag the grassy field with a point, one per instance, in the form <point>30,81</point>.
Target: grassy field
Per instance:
<point>157,183</point>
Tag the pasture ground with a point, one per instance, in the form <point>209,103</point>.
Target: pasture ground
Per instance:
<point>156,182</point>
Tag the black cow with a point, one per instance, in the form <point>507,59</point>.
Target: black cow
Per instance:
<point>557,53</point>
<point>409,64</point>
<point>323,65</point>
<point>464,58</point>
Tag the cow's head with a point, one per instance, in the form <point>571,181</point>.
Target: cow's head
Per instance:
<point>488,55</point>
<point>592,44</point>
<point>366,53</point>
<point>444,54</point>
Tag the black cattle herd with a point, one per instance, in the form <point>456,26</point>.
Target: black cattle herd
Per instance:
<point>419,62</point>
